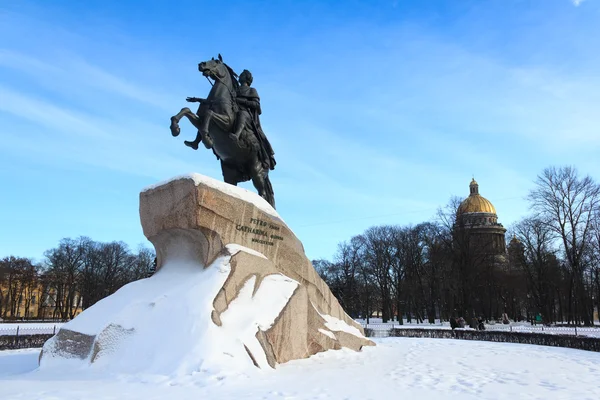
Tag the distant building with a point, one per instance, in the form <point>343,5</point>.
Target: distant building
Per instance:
<point>477,216</point>
<point>21,299</point>
<point>480,255</point>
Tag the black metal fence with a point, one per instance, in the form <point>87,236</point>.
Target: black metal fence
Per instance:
<point>12,342</point>
<point>20,341</point>
<point>541,339</point>
<point>23,337</point>
<point>27,329</point>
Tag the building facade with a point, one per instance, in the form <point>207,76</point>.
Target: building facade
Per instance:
<point>21,301</point>
<point>477,216</point>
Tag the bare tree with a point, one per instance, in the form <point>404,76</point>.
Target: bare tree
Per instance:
<point>535,256</point>
<point>143,264</point>
<point>64,266</point>
<point>18,284</point>
<point>594,260</point>
<point>29,284</point>
<point>436,267</point>
<point>398,271</point>
<point>449,267</point>
<point>378,255</point>
<point>569,205</point>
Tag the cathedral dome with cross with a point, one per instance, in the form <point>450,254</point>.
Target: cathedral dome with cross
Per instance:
<point>478,215</point>
<point>476,203</point>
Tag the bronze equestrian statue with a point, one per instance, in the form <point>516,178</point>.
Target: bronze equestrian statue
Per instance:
<point>228,123</point>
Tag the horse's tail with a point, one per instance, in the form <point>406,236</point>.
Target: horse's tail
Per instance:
<point>270,195</point>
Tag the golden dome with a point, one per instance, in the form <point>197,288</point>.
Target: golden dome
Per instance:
<point>476,203</point>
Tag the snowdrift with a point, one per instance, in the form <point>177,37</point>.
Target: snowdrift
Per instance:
<point>233,290</point>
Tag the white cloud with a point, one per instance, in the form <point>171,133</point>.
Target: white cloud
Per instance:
<point>577,2</point>
<point>63,135</point>
<point>70,72</point>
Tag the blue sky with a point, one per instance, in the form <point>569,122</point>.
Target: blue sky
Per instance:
<point>378,112</point>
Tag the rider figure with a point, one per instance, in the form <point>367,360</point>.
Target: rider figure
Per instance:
<point>248,116</point>
<point>248,103</point>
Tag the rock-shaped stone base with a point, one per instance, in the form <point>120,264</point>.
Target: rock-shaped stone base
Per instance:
<point>199,219</point>
<point>208,214</point>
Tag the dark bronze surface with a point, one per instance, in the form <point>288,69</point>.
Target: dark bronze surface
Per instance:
<point>228,123</point>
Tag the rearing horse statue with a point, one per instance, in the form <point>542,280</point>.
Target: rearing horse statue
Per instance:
<point>244,157</point>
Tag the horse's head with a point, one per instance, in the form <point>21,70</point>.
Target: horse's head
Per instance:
<point>215,69</point>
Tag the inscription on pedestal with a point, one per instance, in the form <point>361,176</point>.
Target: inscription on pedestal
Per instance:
<point>264,232</point>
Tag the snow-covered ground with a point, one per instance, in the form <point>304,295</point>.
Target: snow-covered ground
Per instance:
<point>395,368</point>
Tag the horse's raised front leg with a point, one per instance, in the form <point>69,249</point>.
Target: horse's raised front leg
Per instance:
<point>185,112</point>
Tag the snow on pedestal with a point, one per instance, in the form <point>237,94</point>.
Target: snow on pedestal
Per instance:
<point>233,289</point>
